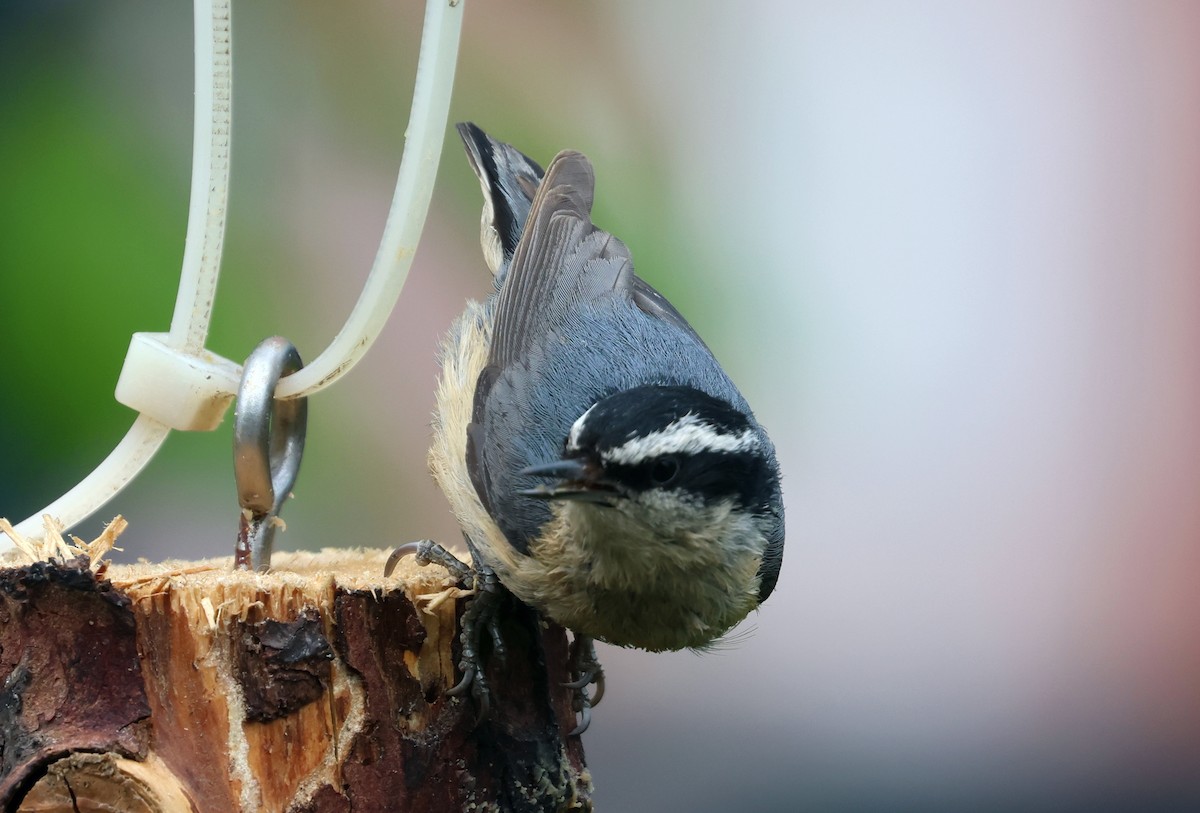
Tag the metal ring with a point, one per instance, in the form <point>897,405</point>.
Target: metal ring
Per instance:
<point>268,437</point>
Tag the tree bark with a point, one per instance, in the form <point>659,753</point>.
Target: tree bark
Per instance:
<point>318,687</point>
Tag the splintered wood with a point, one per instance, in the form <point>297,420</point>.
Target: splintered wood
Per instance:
<point>320,686</point>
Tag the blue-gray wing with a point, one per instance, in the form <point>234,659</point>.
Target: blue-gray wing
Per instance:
<point>561,258</point>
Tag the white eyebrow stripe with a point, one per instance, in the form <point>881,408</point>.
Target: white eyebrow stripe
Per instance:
<point>688,435</point>
<point>576,428</point>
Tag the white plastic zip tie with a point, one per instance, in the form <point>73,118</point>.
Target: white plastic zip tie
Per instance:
<point>169,378</point>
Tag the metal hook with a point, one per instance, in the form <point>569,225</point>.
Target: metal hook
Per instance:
<point>268,442</point>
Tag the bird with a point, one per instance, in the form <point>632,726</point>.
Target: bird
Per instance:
<point>602,465</point>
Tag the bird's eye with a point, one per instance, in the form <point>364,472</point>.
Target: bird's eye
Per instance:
<point>664,470</point>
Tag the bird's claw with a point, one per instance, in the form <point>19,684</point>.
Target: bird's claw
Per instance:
<point>460,688</point>
<point>587,671</point>
<point>587,678</point>
<point>399,552</point>
<point>585,720</point>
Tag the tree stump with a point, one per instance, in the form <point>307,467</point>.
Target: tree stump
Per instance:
<point>320,686</point>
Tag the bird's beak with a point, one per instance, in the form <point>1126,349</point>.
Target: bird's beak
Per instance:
<point>576,480</point>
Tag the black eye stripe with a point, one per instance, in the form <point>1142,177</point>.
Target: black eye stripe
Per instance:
<point>712,476</point>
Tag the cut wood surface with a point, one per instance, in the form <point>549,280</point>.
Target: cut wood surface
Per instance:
<point>320,686</point>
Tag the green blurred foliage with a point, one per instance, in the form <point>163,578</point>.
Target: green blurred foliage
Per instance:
<point>90,221</point>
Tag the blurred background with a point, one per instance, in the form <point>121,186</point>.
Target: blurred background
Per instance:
<point>950,252</point>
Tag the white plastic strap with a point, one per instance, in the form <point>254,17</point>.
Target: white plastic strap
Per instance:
<point>169,378</point>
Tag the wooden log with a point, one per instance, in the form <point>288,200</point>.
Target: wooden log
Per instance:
<point>188,686</point>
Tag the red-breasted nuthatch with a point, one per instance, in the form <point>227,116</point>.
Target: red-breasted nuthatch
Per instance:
<point>603,467</point>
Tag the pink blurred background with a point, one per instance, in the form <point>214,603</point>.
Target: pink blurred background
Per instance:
<point>951,253</point>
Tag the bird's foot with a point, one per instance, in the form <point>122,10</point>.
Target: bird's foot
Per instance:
<point>585,671</point>
<point>429,552</point>
<point>479,616</point>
